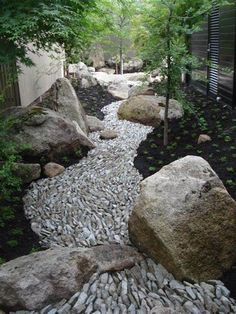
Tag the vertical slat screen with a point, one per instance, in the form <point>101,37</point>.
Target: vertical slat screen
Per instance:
<point>199,46</point>
<point>214,45</point>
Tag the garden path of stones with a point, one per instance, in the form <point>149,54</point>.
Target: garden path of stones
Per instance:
<point>89,204</point>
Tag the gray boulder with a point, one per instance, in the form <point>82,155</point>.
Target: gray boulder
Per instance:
<point>53,169</point>
<point>133,65</point>
<point>119,90</point>
<point>46,133</point>
<point>63,99</point>
<point>142,109</point>
<point>85,76</point>
<point>175,108</point>
<point>94,124</point>
<point>107,70</point>
<point>141,90</point>
<point>31,282</point>
<point>186,220</point>
<point>108,134</point>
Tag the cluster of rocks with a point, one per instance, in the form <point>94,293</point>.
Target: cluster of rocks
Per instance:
<point>54,128</point>
<point>182,217</point>
<point>145,288</point>
<point>117,85</point>
<point>97,58</point>
<point>90,202</point>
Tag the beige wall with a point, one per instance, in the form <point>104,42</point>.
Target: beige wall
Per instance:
<point>34,81</point>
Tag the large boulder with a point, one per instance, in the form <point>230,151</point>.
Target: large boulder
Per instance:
<point>175,108</point>
<point>142,101</point>
<point>141,109</point>
<point>107,70</point>
<point>133,65</point>
<point>119,90</point>
<point>63,99</point>
<point>46,133</point>
<point>31,282</point>
<point>143,89</point>
<point>186,220</point>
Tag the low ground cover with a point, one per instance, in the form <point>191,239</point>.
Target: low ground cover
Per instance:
<point>211,118</point>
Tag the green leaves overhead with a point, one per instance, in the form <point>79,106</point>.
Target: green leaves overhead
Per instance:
<point>43,23</point>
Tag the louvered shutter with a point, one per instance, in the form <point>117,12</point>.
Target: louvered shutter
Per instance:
<point>214,45</point>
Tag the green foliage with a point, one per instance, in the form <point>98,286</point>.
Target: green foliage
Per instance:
<point>46,24</point>
<point>6,214</point>
<point>12,243</point>
<point>35,249</point>
<point>16,232</point>
<point>9,155</point>
<point>2,261</point>
<point>166,30</point>
<point>152,168</point>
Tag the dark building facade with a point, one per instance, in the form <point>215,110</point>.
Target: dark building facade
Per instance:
<point>215,45</point>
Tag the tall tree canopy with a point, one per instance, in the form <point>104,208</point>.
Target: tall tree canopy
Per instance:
<point>163,36</point>
<point>44,23</point>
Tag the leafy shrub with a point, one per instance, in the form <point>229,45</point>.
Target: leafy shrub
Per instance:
<point>9,154</point>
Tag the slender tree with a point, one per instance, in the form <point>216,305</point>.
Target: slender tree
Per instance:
<point>166,26</point>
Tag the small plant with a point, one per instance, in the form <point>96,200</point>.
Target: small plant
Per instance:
<point>230,183</point>
<point>227,138</point>
<point>78,153</point>
<point>65,159</point>
<point>223,159</point>
<point>215,145</point>
<point>35,249</point>
<point>189,146</point>
<point>202,124</point>
<point>230,169</point>
<point>2,260</point>
<point>12,243</point>
<point>17,232</point>
<point>152,168</point>
<point>153,145</point>
<point>6,214</point>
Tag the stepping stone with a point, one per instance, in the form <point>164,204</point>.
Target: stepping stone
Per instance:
<point>108,134</point>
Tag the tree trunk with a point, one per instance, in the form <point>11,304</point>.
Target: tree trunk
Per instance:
<point>166,122</point>
<point>121,59</point>
<point>168,85</point>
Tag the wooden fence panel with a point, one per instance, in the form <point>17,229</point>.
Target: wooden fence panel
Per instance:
<point>9,89</point>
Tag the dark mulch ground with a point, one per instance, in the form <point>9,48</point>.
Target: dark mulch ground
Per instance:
<point>93,99</point>
<point>183,136</point>
<point>16,236</point>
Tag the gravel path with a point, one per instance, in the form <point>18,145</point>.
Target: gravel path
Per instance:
<point>91,201</point>
<point>90,204</point>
